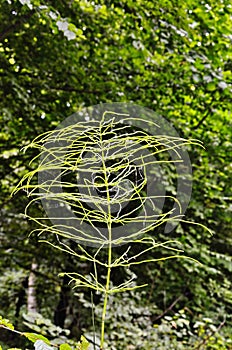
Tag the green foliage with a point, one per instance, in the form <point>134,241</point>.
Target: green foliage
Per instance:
<point>41,342</point>
<point>129,326</point>
<point>36,322</point>
<point>83,344</point>
<point>33,337</point>
<point>41,345</point>
<point>65,347</point>
<point>173,57</point>
<point>6,323</point>
<point>182,335</point>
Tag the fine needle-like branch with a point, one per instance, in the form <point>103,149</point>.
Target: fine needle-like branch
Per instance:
<point>109,160</point>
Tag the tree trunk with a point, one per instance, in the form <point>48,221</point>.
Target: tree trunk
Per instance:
<point>61,310</point>
<point>31,291</point>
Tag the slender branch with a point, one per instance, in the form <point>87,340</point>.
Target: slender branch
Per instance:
<point>168,309</point>
<point>9,329</point>
<point>202,119</point>
<point>116,181</point>
<point>207,113</point>
<point>199,346</point>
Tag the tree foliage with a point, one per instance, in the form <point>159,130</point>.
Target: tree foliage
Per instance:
<point>174,58</point>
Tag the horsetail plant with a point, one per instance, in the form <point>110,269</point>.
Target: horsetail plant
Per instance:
<point>101,184</point>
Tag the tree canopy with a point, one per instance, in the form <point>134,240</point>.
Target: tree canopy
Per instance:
<point>173,57</point>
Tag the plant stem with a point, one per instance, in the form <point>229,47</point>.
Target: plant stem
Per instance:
<point>109,227</point>
<point>106,295</point>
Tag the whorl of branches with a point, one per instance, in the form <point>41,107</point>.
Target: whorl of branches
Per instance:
<point>97,180</point>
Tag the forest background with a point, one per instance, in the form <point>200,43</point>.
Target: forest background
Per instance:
<point>174,57</point>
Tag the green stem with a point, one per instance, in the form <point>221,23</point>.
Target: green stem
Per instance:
<point>106,295</point>
<point>109,226</point>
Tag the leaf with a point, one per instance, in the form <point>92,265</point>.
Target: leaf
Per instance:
<point>62,25</point>
<point>84,344</point>
<point>26,2</point>
<point>69,34</point>
<point>211,87</point>
<point>65,347</point>
<point>222,85</point>
<point>6,323</point>
<point>34,337</point>
<point>41,345</point>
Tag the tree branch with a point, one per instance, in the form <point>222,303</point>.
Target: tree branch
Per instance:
<point>198,347</point>
<point>168,309</point>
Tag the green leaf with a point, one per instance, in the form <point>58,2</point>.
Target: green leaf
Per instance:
<point>211,87</point>
<point>65,347</point>
<point>34,337</point>
<point>84,343</point>
<point>6,323</point>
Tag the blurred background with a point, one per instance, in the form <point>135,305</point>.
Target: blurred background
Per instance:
<point>173,57</point>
